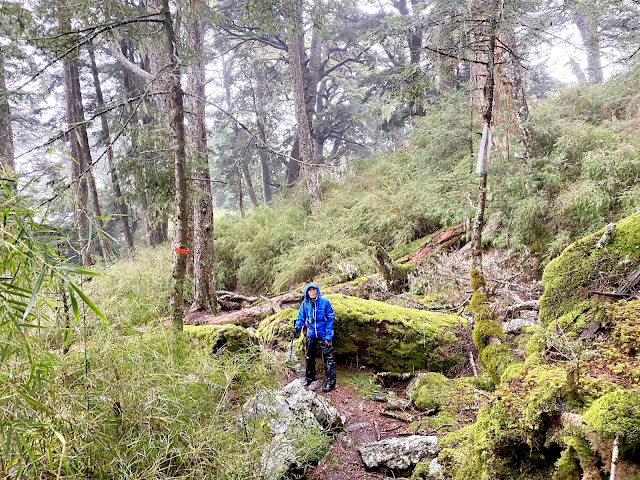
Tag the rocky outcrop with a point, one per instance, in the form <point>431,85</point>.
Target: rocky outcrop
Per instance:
<point>300,422</point>
<point>399,454</point>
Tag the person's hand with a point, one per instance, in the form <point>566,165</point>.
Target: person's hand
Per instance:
<point>294,330</point>
<point>327,342</point>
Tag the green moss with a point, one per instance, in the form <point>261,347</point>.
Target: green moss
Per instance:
<point>393,338</point>
<point>626,318</point>
<point>229,337</point>
<point>616,414</point>
<point>484,330</point>
<point>448,397</point>
<point>512,372</point>
<point>495,357</point>
<point>421,471</point>
<point>592,388</point>
<point>510,432</point>
<point>276,329</point>
<point>534,350</point>
<point>577,460</point>
<point>567,466</point>
<point>361,380</point>
<point>431,391</point>
<point>409,248</point>
<point>567,279</point>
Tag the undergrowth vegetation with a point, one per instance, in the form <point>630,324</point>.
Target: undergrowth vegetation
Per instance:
<point>583,173</point>
<point>156,408</point>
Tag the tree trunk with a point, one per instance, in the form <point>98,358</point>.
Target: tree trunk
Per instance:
<point>240,196</point>
<point>7,162</point>
<point>82,166</point>
<point>587,23</point>
<point>244,164</point>
<point>446,64</point>
<point>309,169</point>
<point>264,165</point>
<point>293,167</point>
<point>261,123</point>
<point>414,42</point>
<point>478,225</point>
<point>511,109</point>
<point>120,206</point>
<point>93,190</point>
<point>78,162</point>
<point>267,190</point>
<point>175,104</point>
<point>82,137</point>
<point>156,231</point>
<point>203,254</point>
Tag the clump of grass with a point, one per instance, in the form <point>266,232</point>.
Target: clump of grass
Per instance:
<point>361,380</point>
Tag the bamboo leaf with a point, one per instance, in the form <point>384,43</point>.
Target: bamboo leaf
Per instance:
<point>74,302</point>
<point>88,302</point>
<point>34,294</point>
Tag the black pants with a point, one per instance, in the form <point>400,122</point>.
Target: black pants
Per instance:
<point>327,355</point>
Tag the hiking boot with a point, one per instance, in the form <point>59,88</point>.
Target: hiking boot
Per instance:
<point>328,386</point>
<point>307,382</point>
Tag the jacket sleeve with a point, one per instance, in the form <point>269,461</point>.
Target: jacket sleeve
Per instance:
<point>300,318</point>
<point>330,318</point>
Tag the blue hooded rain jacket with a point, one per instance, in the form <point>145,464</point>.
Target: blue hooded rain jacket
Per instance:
<point>318,317</point>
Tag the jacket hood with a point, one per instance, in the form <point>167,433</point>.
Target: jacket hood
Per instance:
<point>311,285</point>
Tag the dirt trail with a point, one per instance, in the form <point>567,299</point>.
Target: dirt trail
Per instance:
<point>363,423</point>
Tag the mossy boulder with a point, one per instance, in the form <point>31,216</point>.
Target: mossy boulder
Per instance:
<point>392,338</point>
<point>435,391</point>
<point>430,391</point>
<point>616,414</point>
<point>232,338</point>
<point>626,332</point>
<point>569,278</point>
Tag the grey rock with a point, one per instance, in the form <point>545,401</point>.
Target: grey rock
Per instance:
<point>378,397</point>
<point>435,469</point>
<point>399,453</point>
<point>291,413</point>
<point>515,325</point>
<point>357,426</point>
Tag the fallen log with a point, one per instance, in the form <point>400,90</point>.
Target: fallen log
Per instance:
<point>235,297</point>
<point>440,240</point>
<point>533,305</point>
<point>247,317</point>
<point>250,316</point>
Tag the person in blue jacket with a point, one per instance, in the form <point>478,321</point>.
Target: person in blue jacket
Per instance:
<point>317,314</point>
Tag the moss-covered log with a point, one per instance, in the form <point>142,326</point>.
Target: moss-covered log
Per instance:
<point>383,336</point>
